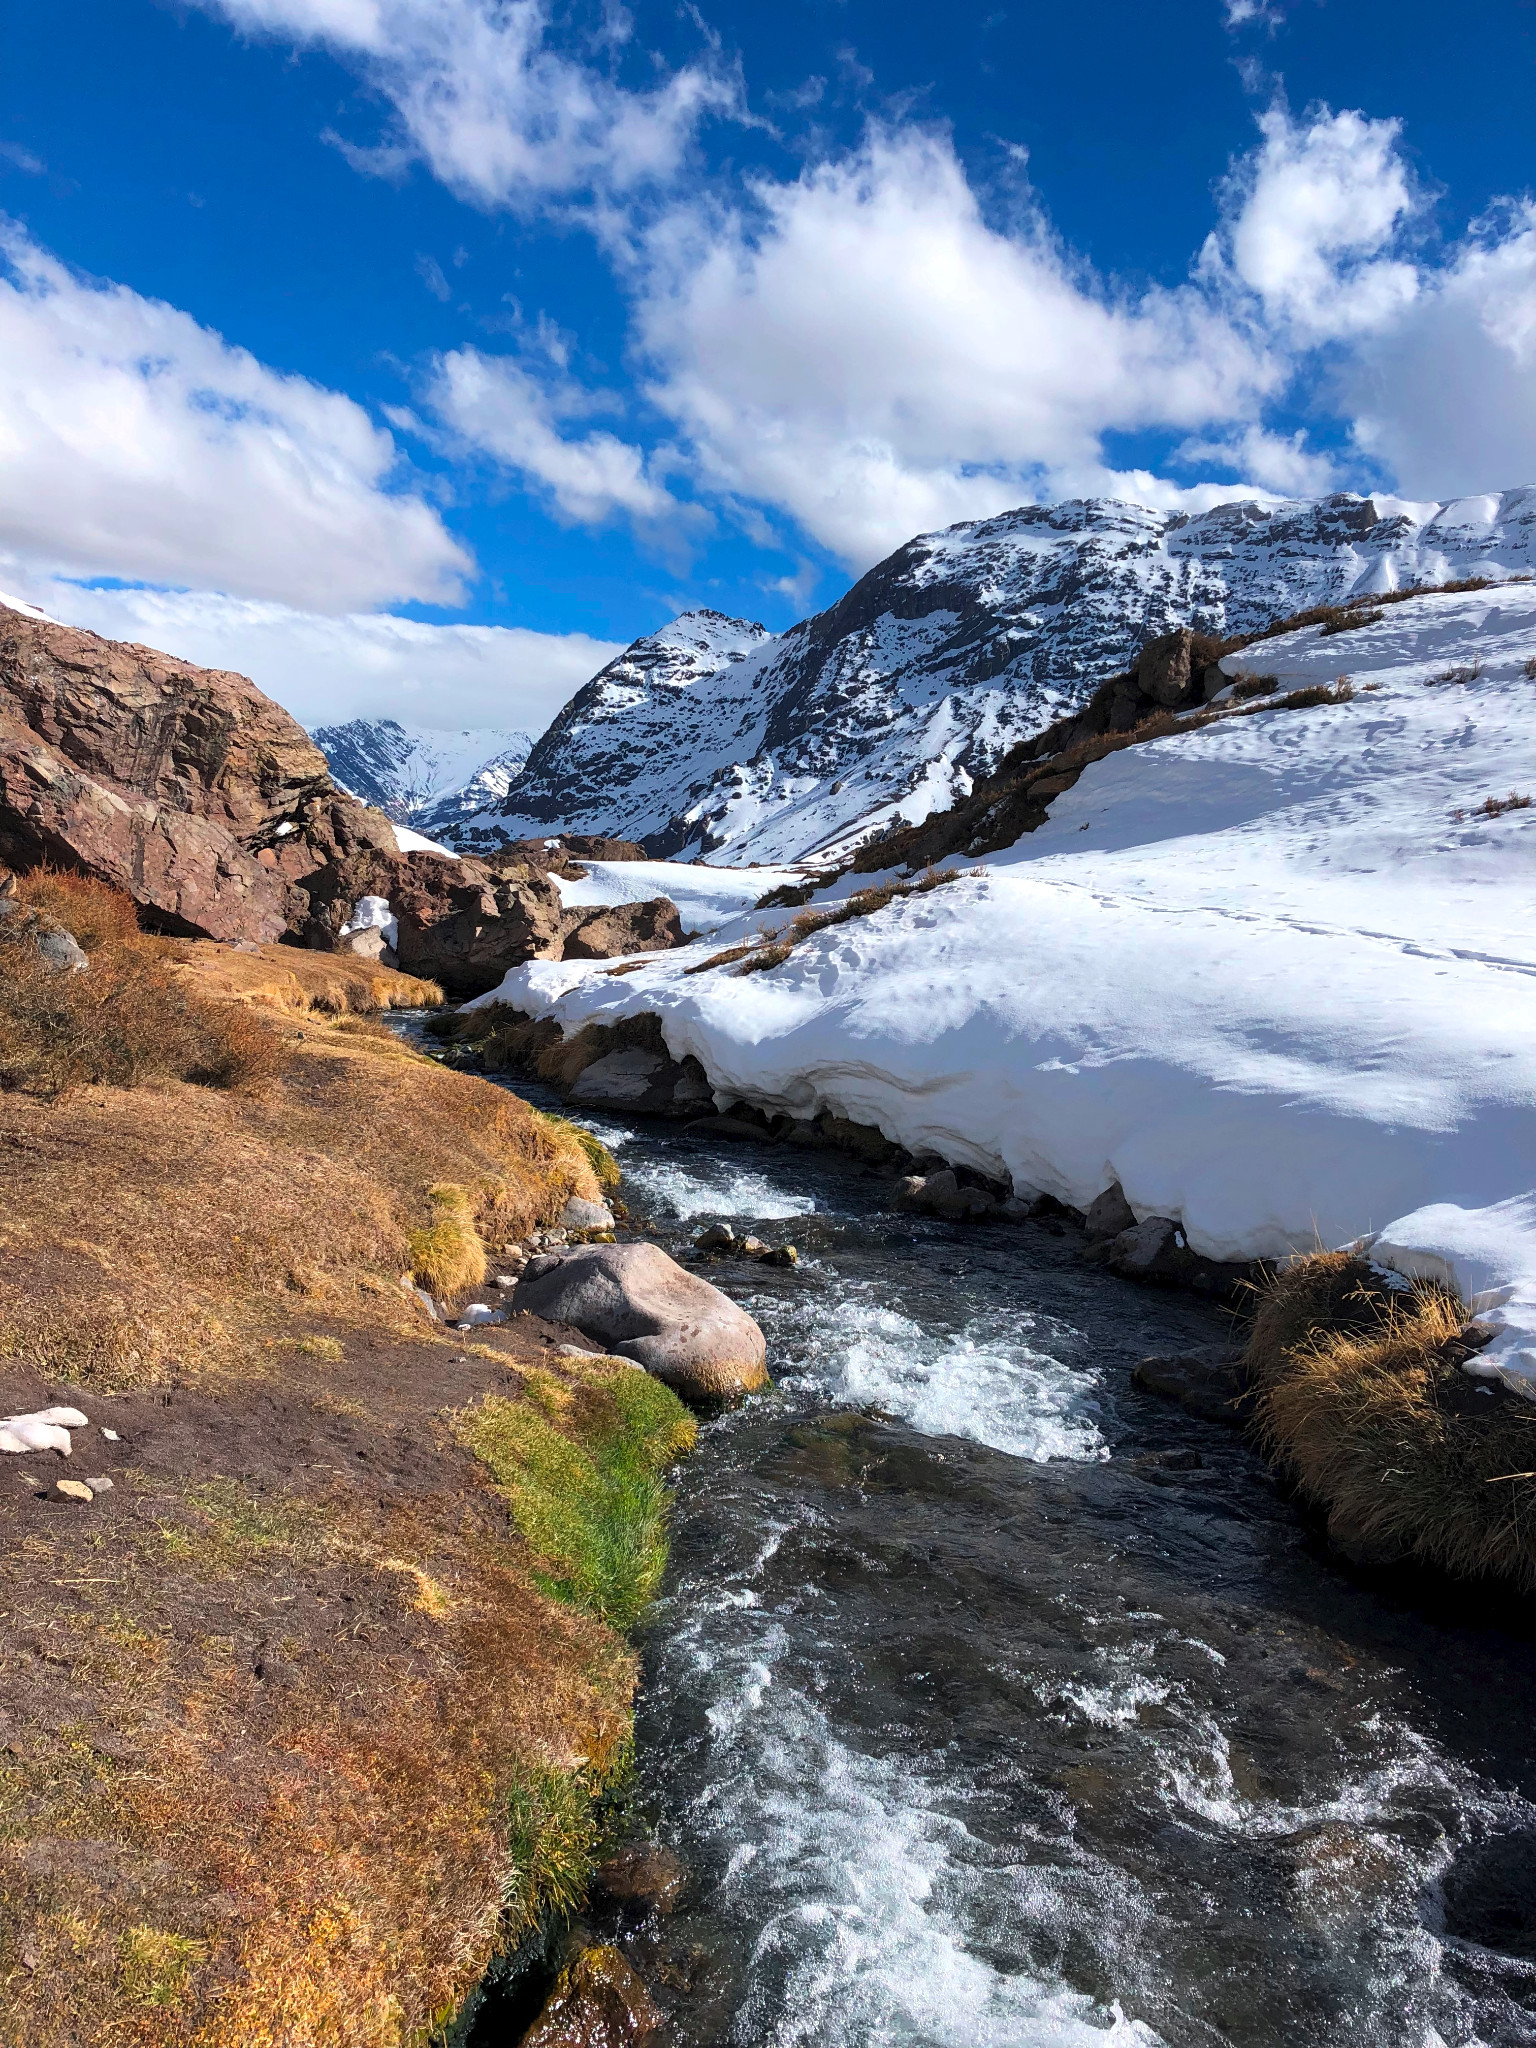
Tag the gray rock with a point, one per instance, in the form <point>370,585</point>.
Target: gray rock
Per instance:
<point>940,1194</point>
<point>506,1280</point>
<point>642,1305</point>
<point>1213,681</point>
<point>60,948</point>
<point>719,1237</point>
<point>1207,1380</point>
<point>736,1129</point>
<point>625,1077</point>
<point>1163,668</point>
<point>579,1214</point>
<point>1109,1213</point>
<point>1147,1249</point>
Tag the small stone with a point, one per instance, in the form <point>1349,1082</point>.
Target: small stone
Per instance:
<point>505,1281</point>
<point>719,1237</point>
<point>1109,1213</point>
<point>111,1436</point>
<point>579,1214</point>
<point>101,1485</point>
<point>753,1247</point>
<point>784,1255</point>
<point>74,1489</point>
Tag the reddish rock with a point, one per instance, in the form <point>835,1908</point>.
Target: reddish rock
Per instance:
<point>166,780</point>
<point>601,934</point>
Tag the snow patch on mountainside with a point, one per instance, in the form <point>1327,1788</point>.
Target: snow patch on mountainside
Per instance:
<point>713,738</point>
<point>426,779</point>
<point>1276,976</point>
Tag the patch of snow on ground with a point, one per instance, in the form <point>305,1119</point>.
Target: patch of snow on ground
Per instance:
<point>705,897</point>
<point>418,842</point>
<point>1262,974</point>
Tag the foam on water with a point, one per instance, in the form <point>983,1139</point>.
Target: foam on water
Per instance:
<point>716,1189</point>
<point>971,1382</point>
<point>872,1906</point>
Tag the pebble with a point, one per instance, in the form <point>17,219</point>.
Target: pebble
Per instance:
<point>111,1436</point>
<point>506,1280</point>
<point>74,1489</point>
<point>101,1485</point>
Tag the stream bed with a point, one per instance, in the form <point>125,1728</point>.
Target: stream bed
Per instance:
<point>992,1703</point>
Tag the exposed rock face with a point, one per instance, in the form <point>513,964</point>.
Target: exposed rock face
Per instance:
<point>644,1306</point>
<point>171,782</point>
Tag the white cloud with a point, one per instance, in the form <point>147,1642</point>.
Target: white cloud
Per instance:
<point>494,405</point>
<point>324,669</point>
<point>1268,13</point>
<point>1313,217</point>
<point>135,443</point>
<point>1279,463</point>
<point>1445,396</point>
<point>496,112</point>
<point>865,351</point>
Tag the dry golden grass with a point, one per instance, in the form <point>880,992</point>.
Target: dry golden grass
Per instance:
<point>288,978</point>
<point>447,1255</point>
<point>195,1848</point>
<point>170,1229</point>
<point>1362,1398</point>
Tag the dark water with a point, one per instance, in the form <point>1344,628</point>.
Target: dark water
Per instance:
<point>981,1727</point>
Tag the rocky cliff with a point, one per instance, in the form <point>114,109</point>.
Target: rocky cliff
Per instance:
<point>184,786</point>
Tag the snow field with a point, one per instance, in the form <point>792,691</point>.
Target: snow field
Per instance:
<point>1261,974</point>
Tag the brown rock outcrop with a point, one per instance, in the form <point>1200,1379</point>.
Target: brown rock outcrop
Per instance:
<point>649,927</point>
<point>184,786</point>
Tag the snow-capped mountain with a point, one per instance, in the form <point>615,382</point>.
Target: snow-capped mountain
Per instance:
<point>714,736</point>
<point>430,781</point>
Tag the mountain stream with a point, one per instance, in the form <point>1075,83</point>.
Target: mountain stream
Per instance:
<point>992,1703</point>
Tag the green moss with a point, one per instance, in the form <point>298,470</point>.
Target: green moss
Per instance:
<point>581,1470</point>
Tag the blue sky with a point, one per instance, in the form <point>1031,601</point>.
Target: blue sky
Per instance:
<point>411,354</point>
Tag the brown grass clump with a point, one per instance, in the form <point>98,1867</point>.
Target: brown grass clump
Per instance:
<point>1528,668</point>
<point>1362,1398</point>
<point>1496,806</point>
<point>97,914</point>
<point>1312,694</point>
<point>1245,685</point>
<point>124,1019</point>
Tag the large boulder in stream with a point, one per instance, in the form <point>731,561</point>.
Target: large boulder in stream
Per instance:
<point>640,1304</point>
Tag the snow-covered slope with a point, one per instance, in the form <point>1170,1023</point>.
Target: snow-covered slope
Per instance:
<point>1276,976</point>
<point>429,780</point>
<point>713,737</point>
<point>676,706</point>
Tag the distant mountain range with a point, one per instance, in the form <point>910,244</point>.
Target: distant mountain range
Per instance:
<point>715,737</point>
<point>430,781</point>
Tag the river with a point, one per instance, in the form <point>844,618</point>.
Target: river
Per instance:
<point>993,1703</point>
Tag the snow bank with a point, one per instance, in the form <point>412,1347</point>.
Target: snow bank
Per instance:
<point>705,897</point>
<point>1277,976</point>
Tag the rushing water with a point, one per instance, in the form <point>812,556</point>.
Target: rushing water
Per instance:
<point>993,1704</point>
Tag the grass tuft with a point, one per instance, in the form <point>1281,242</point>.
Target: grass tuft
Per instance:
<point>447,1254</point>
<point>123,1020</point>
<point>581,1473</point>
<point>156,1967</point>
<point>1362,1398</point>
